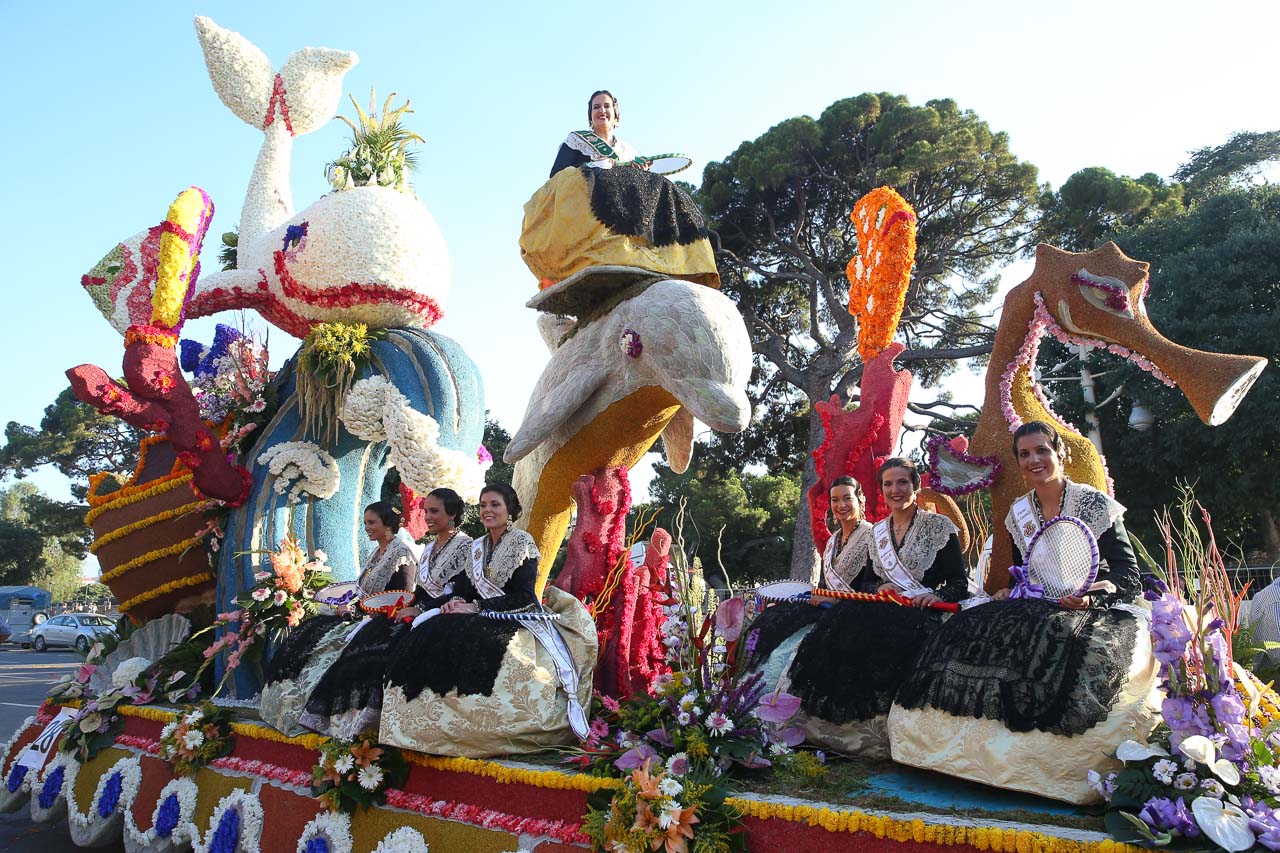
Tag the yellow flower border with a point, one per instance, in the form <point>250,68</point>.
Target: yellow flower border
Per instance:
<point>150,556</point>
<point>919,831</point>
<point>551,779</point>
<point>121,532</point>
<point>181,583</point>
<point>128,495</point>
<point>144,446</point>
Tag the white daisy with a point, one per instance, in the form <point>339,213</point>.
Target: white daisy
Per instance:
<point>193,738</point>
<point>669,786</point>
<point>344,764</point>
<point>370,777</point>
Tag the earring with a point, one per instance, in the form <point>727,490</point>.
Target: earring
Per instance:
<point>509,523</point>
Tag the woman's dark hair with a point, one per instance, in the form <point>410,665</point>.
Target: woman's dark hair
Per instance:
<point>900,462</point>
<point>453,504</point>
<point>509,497</point>
<point>849,481</point>
<point>1033,427</point>
<point>389,515</point>
<point>617,114</point>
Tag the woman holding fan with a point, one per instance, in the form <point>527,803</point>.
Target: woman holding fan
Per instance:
<point>847,670</point>
<point>1030,691</point>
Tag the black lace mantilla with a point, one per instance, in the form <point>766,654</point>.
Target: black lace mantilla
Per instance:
<point>850,665</point>
<point>775,624</point>
<point>452,650</point>
<point>1027,663</point>
<point>355,678</point>
<point>289,659</point>
<point>642,204</point>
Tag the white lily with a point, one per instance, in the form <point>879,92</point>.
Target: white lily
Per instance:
<point>1225,824</point>
<point>1131,750</point>
<point>1201,749</point>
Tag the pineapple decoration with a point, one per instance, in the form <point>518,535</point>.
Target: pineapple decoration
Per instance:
<point>379,155</point>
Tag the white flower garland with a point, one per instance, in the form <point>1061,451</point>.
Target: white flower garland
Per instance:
<point>315,471</point>
<point>403,840</point>
<point>333,826</point>
<point>7,765</point>
<point>374,410</point>
<point>250,808</point>
<point>90,829</point>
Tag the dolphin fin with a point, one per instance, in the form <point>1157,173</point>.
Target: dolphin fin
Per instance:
<point>241,73</point>
<point>677,438</point>
<point>549,410</point>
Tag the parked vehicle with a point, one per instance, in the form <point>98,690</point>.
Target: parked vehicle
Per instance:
<point>81,630</point>
<point>23,607</point>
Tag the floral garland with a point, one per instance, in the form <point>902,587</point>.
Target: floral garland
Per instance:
<point>1115,294</point>
<point>374,410</point>
<point>351,774</point>
<point>95,498</point>
<point>305,467</point>
<point>193,740</point>
<point>880,272</point>
<point>503,775</point>
<point>131,494</point>
<point>150,557</point>
<point>933,449</point>
<point>17,776</point>
<point>475,815</point>
<point>236,824</point>
<point>403,840</point>
<point>333,827</point>
<point>121,532</point>
<point>165,589</point>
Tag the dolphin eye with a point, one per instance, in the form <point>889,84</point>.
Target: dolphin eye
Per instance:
<point>294,235</point>
<point>1104,292</point>
<point>630,343</point>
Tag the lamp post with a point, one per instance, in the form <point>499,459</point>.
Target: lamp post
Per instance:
<point>1141,418</point>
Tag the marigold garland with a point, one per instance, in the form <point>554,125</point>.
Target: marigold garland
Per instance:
<point>181,583</point>
<point>880,272</point>
<point>149,557</point>
<point>550,779</point>
<point>135,494</point>
<point>151,335</point>
<point>121,532</point>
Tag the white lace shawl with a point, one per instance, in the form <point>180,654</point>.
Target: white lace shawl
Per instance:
<point>378,571</point>
<point>927,536</point>
<point>516,547</point>
<point>433,574</point>
<point>840,571</point>
<point>1098,510</point>
<point>624,151</point>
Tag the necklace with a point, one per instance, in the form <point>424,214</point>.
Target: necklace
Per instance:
<point>898,543</point>
<point>1062,499</point>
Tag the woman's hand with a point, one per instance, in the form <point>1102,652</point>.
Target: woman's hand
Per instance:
<point>1001,594</point>
<point>1076,602</point>
<point>407,613</point>
<point>457,605</point>
<point>925,600</point>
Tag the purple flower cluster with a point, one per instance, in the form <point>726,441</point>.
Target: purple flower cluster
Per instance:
<point>1265,821</point>
<point>1164,814</point>
<point>110,795</point>
<point>167,817</point>
<point>52,787</point>
<point>16,775</point>
<point>227,835</point>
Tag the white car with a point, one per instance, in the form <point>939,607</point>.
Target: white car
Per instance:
<point>81,630</point>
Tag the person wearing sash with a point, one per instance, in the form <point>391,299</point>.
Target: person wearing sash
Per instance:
<point>846,567</point>
<point>848,668</point>
<point>600,208</point>
<point>348,698</point>
<point>1029,694</point>
<point>467,684</point>
<point>305,656</point>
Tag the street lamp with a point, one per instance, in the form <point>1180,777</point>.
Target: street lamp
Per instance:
<point>1141,418</point>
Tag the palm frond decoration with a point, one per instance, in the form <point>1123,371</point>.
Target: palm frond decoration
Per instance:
<point>379,153</point>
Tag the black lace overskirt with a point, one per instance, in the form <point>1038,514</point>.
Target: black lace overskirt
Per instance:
<point>451,650</point>
<point>288,660</point>
<point>355,678</point>
<point>639,203</point>
<point>850,665</point>
<point>775,624</point>
<point>1027,663</point>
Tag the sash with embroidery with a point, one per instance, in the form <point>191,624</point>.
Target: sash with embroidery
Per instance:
<point>595,143</point>
<point>481,581</point>
<point>897,573</point>
<point>831,559</point>
<point>1027,519</point>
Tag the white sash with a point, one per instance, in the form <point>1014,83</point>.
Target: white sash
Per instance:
<point>1027,519</point>
<point>482,583</point>
<point>424,564</point>
<point>893,568</point>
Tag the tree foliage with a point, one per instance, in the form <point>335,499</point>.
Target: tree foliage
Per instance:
<point>1095,202</point>
<point>780,205</point>
<point>1234,163</point>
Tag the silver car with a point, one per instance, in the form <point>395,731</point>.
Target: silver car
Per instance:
<point>81,630</point>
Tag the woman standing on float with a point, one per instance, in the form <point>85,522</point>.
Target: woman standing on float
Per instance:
<point>1056,685</point>
<point>848,668</point>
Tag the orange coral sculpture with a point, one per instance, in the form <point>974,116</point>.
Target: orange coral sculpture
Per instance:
<point>881,270</point>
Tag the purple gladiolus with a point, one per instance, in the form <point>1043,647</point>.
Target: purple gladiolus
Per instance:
<point>1266,823</point>
<point>1178,713</point>
<point>1161,813</point>
<point>1228,709</point>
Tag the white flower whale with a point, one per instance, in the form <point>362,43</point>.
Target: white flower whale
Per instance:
<point>369,254</point>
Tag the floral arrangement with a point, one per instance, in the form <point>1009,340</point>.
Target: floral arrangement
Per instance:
<point>379,154</point>
<point>1209,775</point>
<point>196,738</point>
<point>374,410</point>
<point>302,468</point>
<point>330,357</point>
<point>880,272</point>
<point>649,813</point>
<point>282,599</point>
<point>231,381</point>
<point>357,773</point>
<point>94,726</point>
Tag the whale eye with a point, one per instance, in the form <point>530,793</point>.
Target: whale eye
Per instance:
<point>1104,292</point>
<point>630,343</point>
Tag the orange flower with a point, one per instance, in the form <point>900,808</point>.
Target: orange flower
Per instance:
<point>645,818</point>
<point>681,828</point>
<point>289,564</point>
<point>646,785</point>
<point>365,754</point>
<point>881,271</point>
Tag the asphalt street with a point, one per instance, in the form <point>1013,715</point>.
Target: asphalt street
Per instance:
<point>25,677</point>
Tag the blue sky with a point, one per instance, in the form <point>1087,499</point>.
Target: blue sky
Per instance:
<point>110,113</point>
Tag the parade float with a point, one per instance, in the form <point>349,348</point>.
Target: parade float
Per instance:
<point>248,494</point>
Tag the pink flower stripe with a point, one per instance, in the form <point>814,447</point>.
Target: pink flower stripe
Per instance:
<point>274,772</point>
<point>137,742</point>
<point>489,819</point>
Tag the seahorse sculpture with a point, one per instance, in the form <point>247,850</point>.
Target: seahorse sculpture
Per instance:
<point>1095,299</point>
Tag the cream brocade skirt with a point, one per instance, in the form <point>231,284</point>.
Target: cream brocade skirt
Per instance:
<point>527,710</point>
<point>1035,762</point>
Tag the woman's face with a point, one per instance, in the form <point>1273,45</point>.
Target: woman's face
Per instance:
<point>373,526</point>
<point>844,504</point>
<point>438,521</point>
<point>895,485</point>
<point>1037,459</point>
<point>493,511</point>
<point>604,116</point>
